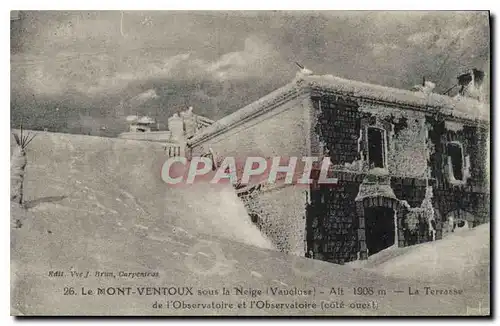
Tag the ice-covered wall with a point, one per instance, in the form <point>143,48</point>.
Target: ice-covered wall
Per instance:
<point>280,214</point>
<point>340,126</point>
<point>407,140</point>
<point>472,193</point>
<point>408,152</point>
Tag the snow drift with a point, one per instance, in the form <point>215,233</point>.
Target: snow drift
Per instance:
<point>97,181</point>
<point>462,257</point>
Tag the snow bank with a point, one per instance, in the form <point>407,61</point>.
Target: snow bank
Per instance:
<point>87,184</point>
<point>217,210</point>
<point>462,257</point>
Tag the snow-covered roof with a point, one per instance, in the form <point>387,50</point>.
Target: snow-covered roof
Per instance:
<point>456,107</point>
<point>161,136</point>
<point>132,118</point>
<point>374,190</point>
<point>460,107</point>
<point>204,120</point>
<point>146,120</point>
<point>138,119</point>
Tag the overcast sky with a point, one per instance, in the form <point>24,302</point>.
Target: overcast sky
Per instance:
<point>77,71</point>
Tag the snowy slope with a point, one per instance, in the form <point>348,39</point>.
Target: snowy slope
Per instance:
<point>462,256</point>
<point>118,182</point>
<point>98,204</point>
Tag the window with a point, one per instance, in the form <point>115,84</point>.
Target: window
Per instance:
<point>456,160</point>
<point>376,147</point>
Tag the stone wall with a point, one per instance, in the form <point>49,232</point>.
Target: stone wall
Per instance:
<point>409,189</point>
<point>332,221</point>
<point>281,215</point>
<point>337,126</point>
<point>329,220</point>
<point>408,152</point>
<point>335,223</point>
<point>279,132</point>
<point>450,199</point>
<point>474,141</point>
<point>472,195</point>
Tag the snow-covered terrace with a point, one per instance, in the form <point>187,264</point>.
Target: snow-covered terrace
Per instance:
<point>457,108</point>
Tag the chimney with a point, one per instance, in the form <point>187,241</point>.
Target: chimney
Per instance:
<point>426,87</point>
<point>471,84</point>
<point>303,72</point>
<point>189,120</point>
<point>175,125</point>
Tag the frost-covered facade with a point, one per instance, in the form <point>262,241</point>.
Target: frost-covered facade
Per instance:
<point>410,165</point>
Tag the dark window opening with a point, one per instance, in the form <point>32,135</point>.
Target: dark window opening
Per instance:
<point>376,148</point>
<point>379,228</point>
<point>255,220</point>
<point>456,158</point>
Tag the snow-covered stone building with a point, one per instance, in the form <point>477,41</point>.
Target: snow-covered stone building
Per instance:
<point>408,163</point>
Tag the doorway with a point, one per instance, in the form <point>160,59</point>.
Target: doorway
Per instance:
<point>380,228</point>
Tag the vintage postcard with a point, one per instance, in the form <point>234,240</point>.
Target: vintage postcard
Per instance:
<point>250,163</point>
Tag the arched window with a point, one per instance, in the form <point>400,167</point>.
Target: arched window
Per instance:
<point>455,160</point>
